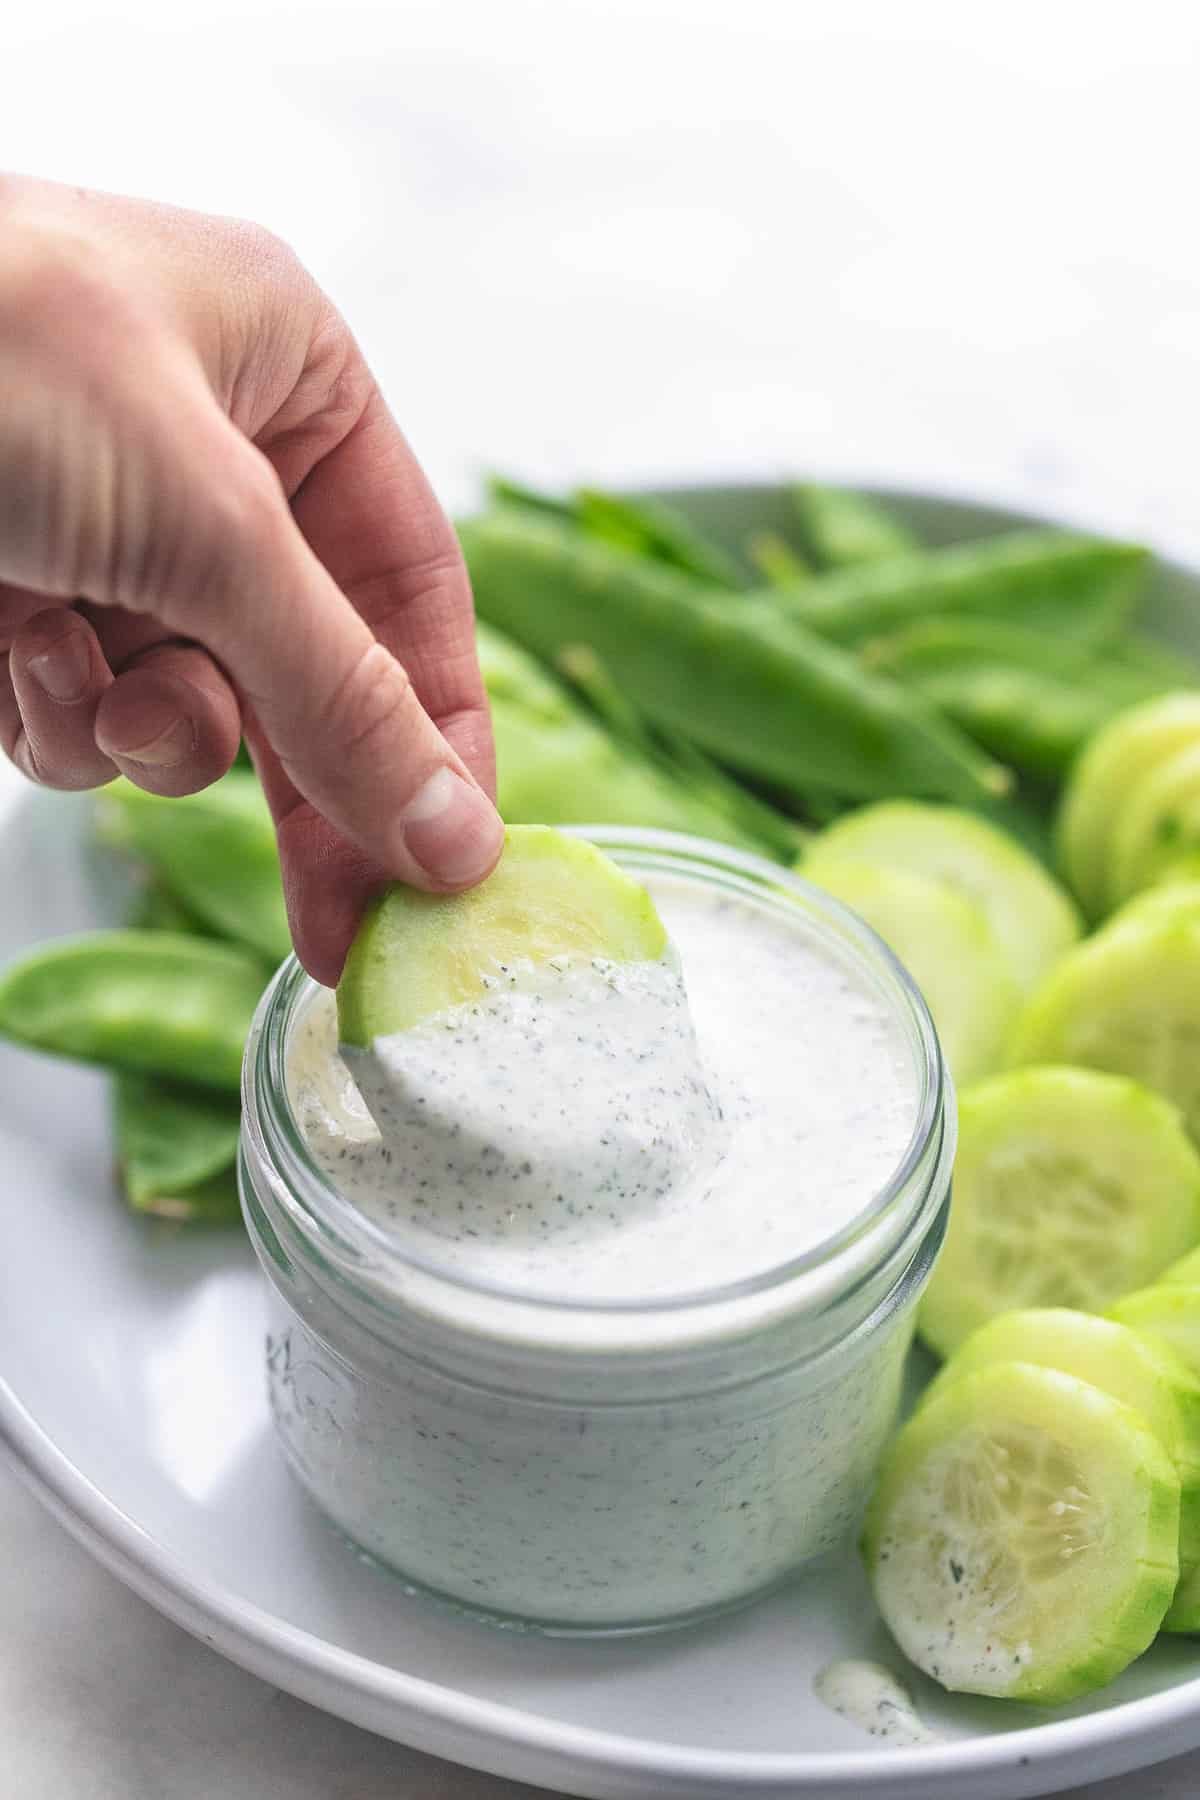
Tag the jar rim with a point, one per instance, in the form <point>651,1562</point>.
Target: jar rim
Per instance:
<point>364,1252</point>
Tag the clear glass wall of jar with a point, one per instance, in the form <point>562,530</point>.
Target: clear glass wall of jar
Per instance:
<point>591,1468</point>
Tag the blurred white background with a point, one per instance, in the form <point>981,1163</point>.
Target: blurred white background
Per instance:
<point>938,242</point>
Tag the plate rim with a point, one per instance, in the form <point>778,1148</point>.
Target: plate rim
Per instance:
<point>274,1649</point>
<point>500,1736</point>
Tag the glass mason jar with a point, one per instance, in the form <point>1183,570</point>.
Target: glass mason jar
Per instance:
<point>592,1467</point>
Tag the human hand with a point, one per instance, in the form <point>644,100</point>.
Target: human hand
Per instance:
<point>210,523</point>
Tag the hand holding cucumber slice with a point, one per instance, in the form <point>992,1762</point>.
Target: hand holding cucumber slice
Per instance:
<point>1070,1188</point>
<point>550,895</point>
<point>1022,1541</point>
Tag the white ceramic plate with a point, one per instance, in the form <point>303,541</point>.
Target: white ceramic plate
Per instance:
<point>131,1396</point>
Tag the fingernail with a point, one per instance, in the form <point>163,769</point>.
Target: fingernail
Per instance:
<point>452,829</point>
<point>63,671</point>
<point>171,746</point>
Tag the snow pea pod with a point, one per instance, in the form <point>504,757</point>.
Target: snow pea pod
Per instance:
<point>652,529</point>
<point>176,1147</point>
<point>1050,581</point>
<point>751,687</point>
<point>1025,697</point>
<point>215,851</point>
<point>842,529</point>
<point>779,564</point>
<point>151,1001</point>
<point>649,528</point>
<point>1146,656</point>
<point>558,764</point>
<point>157,909</point>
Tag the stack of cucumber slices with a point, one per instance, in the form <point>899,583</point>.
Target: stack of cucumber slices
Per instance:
<point>1131,813</point>
<point>1037,1521</point>
<point>974,917</point>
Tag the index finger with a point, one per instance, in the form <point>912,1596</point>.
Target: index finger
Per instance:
<point>371,519</point>
<point>370,515</point>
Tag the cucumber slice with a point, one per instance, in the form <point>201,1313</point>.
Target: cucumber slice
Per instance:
<point>550,895</point>
<point>1169,1315</point>
<point>1070,1188</point>
<point>1031,915</point>
<point>1138,1370</point>
<point>947,945</point>
<point>1184,1273</point>
<point>1113,766</point>
<point>1172,1325</point>
<point>1127,1000</point>
<point>1022,1541</point>
<point>1183,1615</point>
<point>1169,1312</point>
<point>1176,895</point>
<point>1182,871</point>
<point>1158,825</point>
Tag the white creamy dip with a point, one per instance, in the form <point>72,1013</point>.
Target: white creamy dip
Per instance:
<point>571,1135</point>
<point>870,1696</point>
<point>590,1142</point>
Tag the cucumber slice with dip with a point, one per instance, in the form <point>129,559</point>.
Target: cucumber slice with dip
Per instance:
<point>527,1051</point>
<point>1030,914</point>
<point>946,943</point>
<point>549,896</point>
<point>1138,1370</point>
<point>1070,1188</point>
<point>1023,1538</point>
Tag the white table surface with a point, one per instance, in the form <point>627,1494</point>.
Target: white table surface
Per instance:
<point>631,239</point>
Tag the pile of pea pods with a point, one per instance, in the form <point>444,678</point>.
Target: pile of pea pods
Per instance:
<point>639,673</point>
<point>165,1003</point>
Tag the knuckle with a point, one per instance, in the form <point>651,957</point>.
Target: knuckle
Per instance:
<point>244,510</point>
<point>258,252</point>
<point>336,383</point>
<point>52,279</point>
<point>368,701</point>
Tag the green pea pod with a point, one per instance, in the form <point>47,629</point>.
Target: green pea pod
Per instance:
<point>1049,581</point>
<point>645,527</point>
<point>176,1147</point>
<point>214,850</point>
<point>157,909</point>
<point>1030,700</point>
<point>754,689</point>
<point>149,1001</point>
<point>558,766</point>
<point>212,1202</point>
<point>779,564</point>
<point>503,491</point>
<point>650,528</point>
<point>744,816</point>
<point>842,529</point>
<point>1146,656</point>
